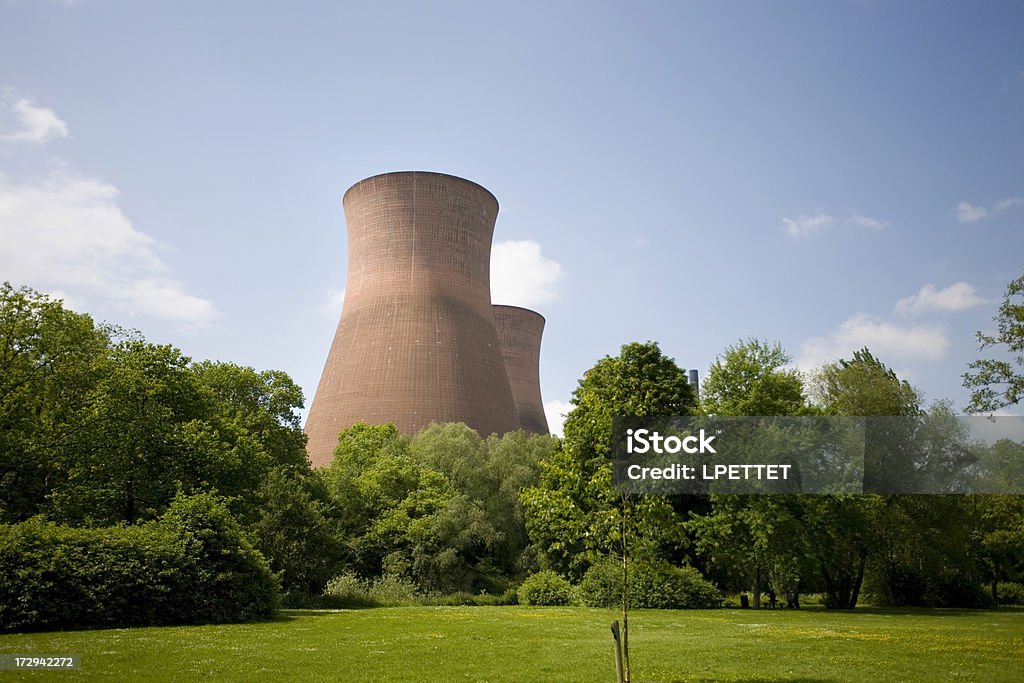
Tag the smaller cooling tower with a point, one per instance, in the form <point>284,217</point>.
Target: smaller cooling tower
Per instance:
<point>519,334</point>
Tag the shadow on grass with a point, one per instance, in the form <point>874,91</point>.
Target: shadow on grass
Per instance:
<point>886,611</point>
<point>919,611</point>
<point>290,614</point>
<point>285,615</point>
<point>796,679</point>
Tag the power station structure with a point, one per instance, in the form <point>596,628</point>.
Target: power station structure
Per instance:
<point>519,334</point>
<point>417,341</point>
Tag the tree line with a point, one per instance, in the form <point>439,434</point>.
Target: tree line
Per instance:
<point>100,428</point>
<point>902,549</point>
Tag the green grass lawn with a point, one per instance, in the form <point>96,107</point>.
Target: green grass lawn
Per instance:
<point>554,644</point>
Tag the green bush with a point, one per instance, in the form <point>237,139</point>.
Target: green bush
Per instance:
<point>1008,593</point>
<point>192,566</point>
<point>60,577</point>
<point>349,591</point>
<point>545,588</point>
<point>663,586</point>
<point>601,586</point>
<point>472,600</point>
<point>226,578</point>
<point>954,589</point>
<point>393,591</point>
<point>346,591</point>
<point>653,585</point>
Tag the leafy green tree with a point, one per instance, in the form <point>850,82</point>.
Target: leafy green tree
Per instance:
<point>49,359</point>
<point>457,452</point>
<point>157,423</point>
<point>750,378</point>
<point>426,530</point>
<point>297,532</point>
<point>249,427</point>
<point>999,538</point>
<point>513,465</point>
<point>417,508</point>
<point>927,555</point>
<point>573,514</point>
<point>136,442</point>
<point>864,385</point>
<point>359,499</point>
<point>1001,466</point>
<point>842,531</point>
<point>753,541</point>
<point>97,426</point>
<point>263,404</point>
<point>491,473</point>
<point>998,383</point>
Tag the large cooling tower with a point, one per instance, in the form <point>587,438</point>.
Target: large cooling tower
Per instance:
<point>519,333</point>
<point>416,341</point>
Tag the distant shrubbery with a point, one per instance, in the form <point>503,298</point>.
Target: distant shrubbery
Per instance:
<point>657,585</point>
<point>349,591</point>
<point>912,587</point>
<point>545,588</point>
<point>1008,593</point>
<point>439,509</point>
<point>194,565</point>
<point>653,585</point>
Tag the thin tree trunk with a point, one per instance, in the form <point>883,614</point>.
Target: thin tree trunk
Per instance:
<point>129,503</point>
<point>625,591</point>
<point>855,594</point>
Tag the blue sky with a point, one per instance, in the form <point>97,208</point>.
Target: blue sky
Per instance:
<point>828,175</point>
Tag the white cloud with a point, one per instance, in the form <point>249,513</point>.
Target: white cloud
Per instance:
<point>1003,412</point>
<point>969,213</point>
<point>65,232</point>
<point>521,275</point>
<point>805,225</point>
<point>333,301</point>
<point>1004,204</point>
<point>914,342</point>
<point>72,303</point>
<point>555,412</point>
<point>990,431</point>
<point>957,297</point>
<point>866,221</point>
<point>31,123</point>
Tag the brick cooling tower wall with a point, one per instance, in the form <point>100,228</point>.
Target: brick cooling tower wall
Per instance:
<point>519,333</point>
<point>416,341</point>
